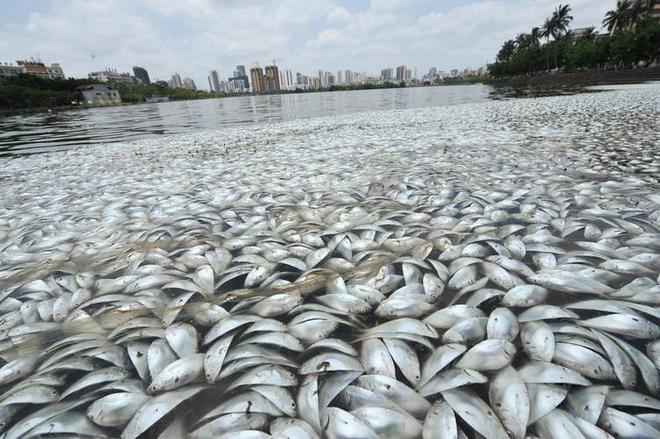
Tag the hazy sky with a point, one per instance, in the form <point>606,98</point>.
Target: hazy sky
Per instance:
<point>194,36</point>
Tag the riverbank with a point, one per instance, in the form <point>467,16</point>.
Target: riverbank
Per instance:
<point>25,94</point>
<point>595,77</point>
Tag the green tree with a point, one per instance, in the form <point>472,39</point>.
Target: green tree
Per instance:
<point>636,12</point>
<point>507,50</point>
<point>535,36</point>
<point>625,46</point>
<point>561,20</point>
<point>547,31</point>
<point>618,18</point>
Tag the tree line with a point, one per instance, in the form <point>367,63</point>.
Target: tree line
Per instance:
<point>23,92</point>
<point>633,39</point>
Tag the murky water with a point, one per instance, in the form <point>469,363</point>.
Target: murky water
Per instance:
<point>61,130</point>
<point>492,266</point>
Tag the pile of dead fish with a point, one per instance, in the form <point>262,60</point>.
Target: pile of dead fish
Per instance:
<point>464,300</point>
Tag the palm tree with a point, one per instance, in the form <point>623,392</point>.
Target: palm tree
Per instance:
<point>535,36</point>
<point>561,20</point>
<point>636,12</point>
<point>618,18</point>
<point>507,50</point>
<point>546,32</point>
<point>523,41</point>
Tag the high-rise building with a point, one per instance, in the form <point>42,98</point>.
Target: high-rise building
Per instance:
<point>286,80</point>
<point>401,73</point>
<point>407,76</point>
<point>257,78</point>
<point>189,84</point>
<point>386,74</point>
<point>141,75</point>
<point>176,81</point>
<point>272,78</point>
<point>214,81</point>
<point>238,85</point>
<point>340,77</point>
<point>240,75</point>
<point>348,77</point>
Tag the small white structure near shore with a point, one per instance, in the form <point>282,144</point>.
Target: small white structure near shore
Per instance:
<point>100,94</point>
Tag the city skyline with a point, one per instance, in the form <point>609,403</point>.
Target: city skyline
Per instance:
<point>266,79</point>
<point>193,37</point>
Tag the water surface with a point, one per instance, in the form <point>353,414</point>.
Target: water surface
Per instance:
<point>44,132</point>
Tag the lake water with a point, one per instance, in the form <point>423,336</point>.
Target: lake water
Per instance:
<point>44,132</point>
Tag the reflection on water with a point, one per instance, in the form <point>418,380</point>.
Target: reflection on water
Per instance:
<point>56,131</point>
<point>499,93</point>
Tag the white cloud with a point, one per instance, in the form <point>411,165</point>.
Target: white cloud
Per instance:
<point>338,15</point>
<point>195,36</point>
<point>469,35</point>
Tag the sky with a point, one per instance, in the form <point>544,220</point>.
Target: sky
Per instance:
<point>192,37</point>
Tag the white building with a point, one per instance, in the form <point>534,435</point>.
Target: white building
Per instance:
<point>175,81</point>
<point>235,85</point>
<point>286,79</point>
<point>111,75</point>
<point>348,77</point>
<point>189,84</point>
<point>55,71</point>
<point>8,70</point>
<point>100,94</point>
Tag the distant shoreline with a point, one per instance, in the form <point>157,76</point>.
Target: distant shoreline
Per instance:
<point>15,111</point>
<point>586,78</point>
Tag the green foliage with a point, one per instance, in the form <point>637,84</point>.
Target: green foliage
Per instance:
<point>28,91</point>
<point>365,86</point>
<point>623,48</point>
<point>139,92</point>
<point>462,81</point>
